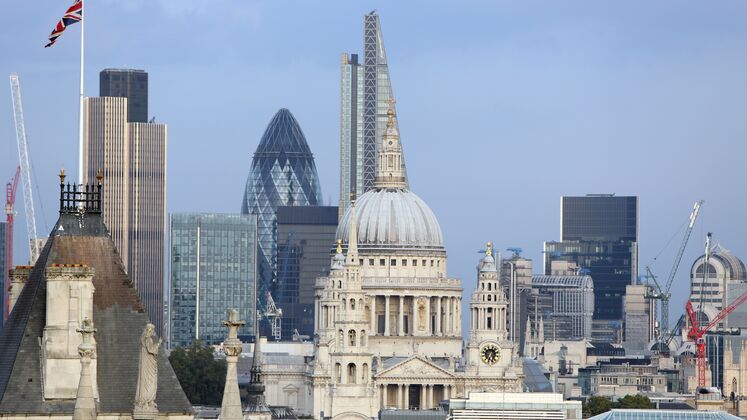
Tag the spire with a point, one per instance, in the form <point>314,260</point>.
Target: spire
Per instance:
<point>389,172</point>
<point>353,238</point>
<point>541,331</point>
<point>256,389</point>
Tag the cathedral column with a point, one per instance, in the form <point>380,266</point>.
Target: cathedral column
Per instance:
<point>373,315</point>
<point>430,396</point>
<point>438,316</point>
<point>400,396</point>
<point>401,325</point>
<point>428,316</point>
<point>422,397</point>
<point>316,315</point>
<point>458,313</point>
<point>385,396</point>
<point>407,397</point>
<point>447,392</point>
<point>386,315</point>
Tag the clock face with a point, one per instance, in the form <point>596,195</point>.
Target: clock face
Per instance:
<point>490,354</point>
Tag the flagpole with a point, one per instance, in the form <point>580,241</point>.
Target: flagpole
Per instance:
<point>80,100</point>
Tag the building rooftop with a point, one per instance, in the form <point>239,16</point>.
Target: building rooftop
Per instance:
<point>119,317</point>
<point>625,414</point>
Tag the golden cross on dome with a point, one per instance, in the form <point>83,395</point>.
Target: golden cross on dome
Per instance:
<point>489,252</point>
<point>339,246</point>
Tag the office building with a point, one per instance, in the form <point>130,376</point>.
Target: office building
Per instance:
<point>640,319</point>
<point>599,233</point>
<point>283,173</point>
<point>509,405</point>
<point>131,157</point>
<point>5,264</point>
<point>213,269</point>
<point>565,304</point>
<point>365,94</point>
<point>305,238</point>
<point>127,83</point>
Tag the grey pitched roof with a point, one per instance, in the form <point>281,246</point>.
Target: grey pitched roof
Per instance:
<point>118,316</point>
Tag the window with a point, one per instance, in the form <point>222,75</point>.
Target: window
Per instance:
<point>364,337</point>
<point>431,263</point>
<point>423,263</point>
<point>404,263</point>
<point>351,337</point>
<point>352,304</point>
<point>351,373</point>
<point>338,372</point>
<point>393,263</point>
<point>414,263</point>
<point>370,261</point>
<point>382,262</point>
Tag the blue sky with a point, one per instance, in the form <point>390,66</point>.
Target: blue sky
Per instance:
<point>503,106</point>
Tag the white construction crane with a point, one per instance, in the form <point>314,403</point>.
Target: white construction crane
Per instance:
<point>274,316</point>
<point>23,161</point>
<point>663,293</point>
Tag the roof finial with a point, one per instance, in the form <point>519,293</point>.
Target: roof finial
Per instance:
<point>99,176</point>
<point>390,113</point>
<point>62,175</point>
<point>489,252</point>
<point>339,246</point>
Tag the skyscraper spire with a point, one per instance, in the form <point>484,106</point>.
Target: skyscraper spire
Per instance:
<point>389,173</point>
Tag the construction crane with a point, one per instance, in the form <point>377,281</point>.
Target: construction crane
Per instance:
<point>23,161</point>
<point>663,293</point>
<point>697,331</point>
<point>274,316</point>
<point>10,201</point>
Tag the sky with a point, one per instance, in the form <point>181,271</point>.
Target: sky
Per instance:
<point>503,107</point>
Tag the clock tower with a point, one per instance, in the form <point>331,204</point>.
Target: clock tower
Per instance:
<point>489,352</point>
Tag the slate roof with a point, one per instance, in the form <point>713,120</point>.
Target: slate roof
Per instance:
<point>118,316</point>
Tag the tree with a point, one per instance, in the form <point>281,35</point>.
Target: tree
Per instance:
<point>634,401</point>
<point>596,405</point>
<point>201,376</point>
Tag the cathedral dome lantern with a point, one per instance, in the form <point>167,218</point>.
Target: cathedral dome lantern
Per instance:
<point>390,216</point>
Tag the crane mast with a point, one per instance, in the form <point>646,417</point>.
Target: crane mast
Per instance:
<point>23,160</point>
<point>10,200</point>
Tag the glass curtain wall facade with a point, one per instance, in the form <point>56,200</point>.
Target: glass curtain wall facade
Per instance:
<point>600,234</point>
<point>372,86</point>
<point>127,83</point>
<point>213,269</point>
<point>283,173</point>
<point>351,131</point>
<point>566,305</point>
<point>306,238</point>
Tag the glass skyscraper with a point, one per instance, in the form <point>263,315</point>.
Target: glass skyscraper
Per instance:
<point>213,269</point>
<point>283,173</point>
<point>127,83</point>
<point>365,92</point>
<point>305,238</point>
<point>600,234</point>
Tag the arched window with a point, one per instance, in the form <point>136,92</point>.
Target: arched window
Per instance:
<point>364,374</point>
<point>363,337</point>
<point>490,287</point>
<point>490,297</point>
<point>338,372</point>
<point>351,337</point>
<point>339,284</point>
<point>352,304</point>
<point>351,373</point>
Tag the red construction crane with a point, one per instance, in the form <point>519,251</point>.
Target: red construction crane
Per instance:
<point>697,332</point>
<point>10,201</point>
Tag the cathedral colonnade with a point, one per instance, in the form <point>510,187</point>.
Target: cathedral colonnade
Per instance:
<point>414,396</point>
<point>414,315</point>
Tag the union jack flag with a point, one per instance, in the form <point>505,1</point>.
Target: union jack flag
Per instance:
<point>73,15</point>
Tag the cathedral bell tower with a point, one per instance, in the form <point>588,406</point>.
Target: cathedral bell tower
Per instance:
<point>488,351</point>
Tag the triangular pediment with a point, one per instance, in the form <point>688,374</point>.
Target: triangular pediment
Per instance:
<point>415,366</point>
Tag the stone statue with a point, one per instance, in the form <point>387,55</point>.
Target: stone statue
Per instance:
<point>147,377</point>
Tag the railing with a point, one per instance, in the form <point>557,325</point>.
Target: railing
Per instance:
<point>75,198</point>
<point>410,282</point>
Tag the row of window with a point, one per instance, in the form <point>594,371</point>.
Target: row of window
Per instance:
<point>403,262</point>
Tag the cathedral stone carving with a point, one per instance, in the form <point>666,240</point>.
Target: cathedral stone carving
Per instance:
<point>147,379</point>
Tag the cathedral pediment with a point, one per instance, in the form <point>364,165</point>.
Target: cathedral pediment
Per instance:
<point>415,367</point>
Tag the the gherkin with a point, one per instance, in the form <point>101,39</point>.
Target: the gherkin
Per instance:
<point>282,174</point>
